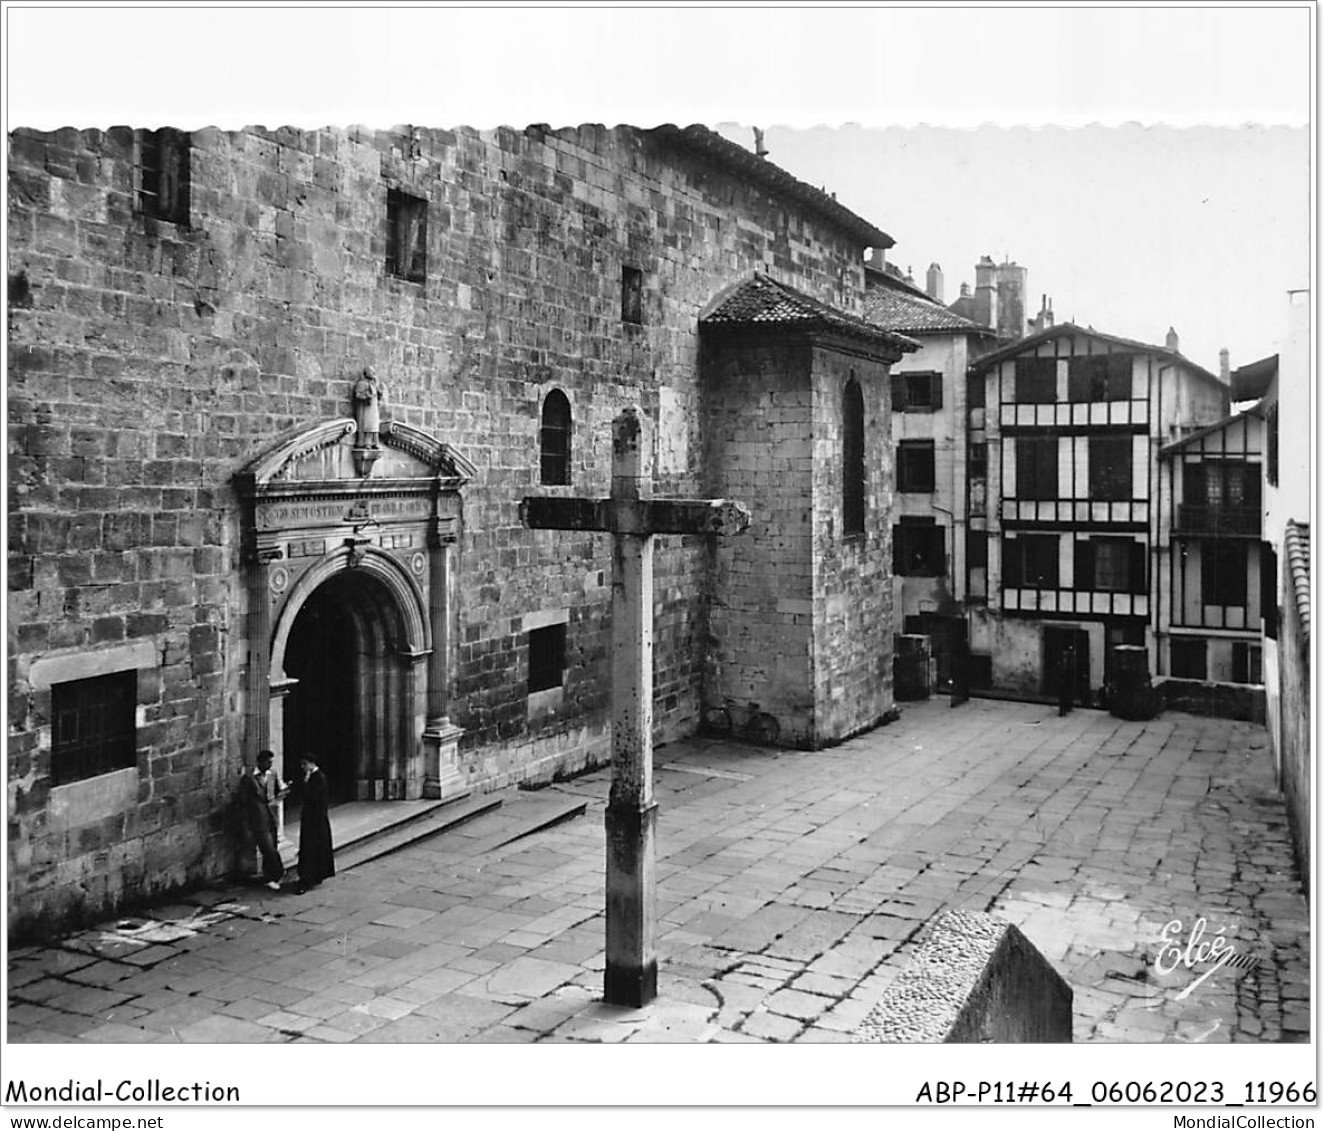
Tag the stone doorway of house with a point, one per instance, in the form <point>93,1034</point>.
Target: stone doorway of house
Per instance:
<point>351,703</point>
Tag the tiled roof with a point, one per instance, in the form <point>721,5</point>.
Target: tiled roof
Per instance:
<point>702,140</point>
<point>1297,544</point>
<point>893,305</point>
<point>762,301</point>
<point>1062,329</point>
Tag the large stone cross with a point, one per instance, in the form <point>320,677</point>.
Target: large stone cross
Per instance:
<point>632,517</point>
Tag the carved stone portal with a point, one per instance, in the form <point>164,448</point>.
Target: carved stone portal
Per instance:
<point>353,582</point>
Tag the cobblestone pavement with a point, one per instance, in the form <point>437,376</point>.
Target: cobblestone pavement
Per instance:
<point>791,887</point>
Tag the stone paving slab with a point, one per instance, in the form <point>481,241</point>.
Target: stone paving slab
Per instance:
<point>792,888</point>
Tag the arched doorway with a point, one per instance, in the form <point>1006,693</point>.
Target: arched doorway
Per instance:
<point>351,697</point>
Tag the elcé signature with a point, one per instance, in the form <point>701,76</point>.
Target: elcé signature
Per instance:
<point>1172,955</point>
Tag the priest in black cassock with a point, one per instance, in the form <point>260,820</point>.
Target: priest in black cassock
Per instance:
<point>315,860</point>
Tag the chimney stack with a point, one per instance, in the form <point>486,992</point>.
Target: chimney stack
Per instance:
<point>1172,341</point>
<point>759,149</point>
<point>986,293</point>
<point>933,283</point>
<point>1044,319</point>
<point>878,258</point>
<point>1225,366</point>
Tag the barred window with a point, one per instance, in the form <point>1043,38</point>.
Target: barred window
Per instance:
<point>632,295</point>
<point>555,439</point>
<point>406,236</point>
<point>161,174</point>
<point>92,729</point>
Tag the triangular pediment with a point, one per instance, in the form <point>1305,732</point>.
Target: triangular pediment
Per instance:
<point>327,452</point>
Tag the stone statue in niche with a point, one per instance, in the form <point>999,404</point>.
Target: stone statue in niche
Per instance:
<point>369,396</point>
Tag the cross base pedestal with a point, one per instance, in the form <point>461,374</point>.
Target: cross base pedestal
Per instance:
<point>631,976</point>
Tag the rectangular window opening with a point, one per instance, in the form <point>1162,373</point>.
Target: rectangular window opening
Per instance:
<point>1036,467</point>
<point>1110,468</point>
<point>161,173</point>
<point>915,473</point>
<point>93,730</point>
<point>546,657</point>
<point>632,295</point>
<point>919,548</point>
<point>406,236</point>
<point>1036,380</point>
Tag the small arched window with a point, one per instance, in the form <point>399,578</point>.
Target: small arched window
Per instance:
<point>852,459</point>
<point>555,439</point>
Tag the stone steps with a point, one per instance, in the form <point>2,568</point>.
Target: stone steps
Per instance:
<point>448,816</point>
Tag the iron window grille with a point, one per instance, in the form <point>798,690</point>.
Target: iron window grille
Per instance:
<point>554,439</point>
<point>632,295</point>
<point>92,726</point>
<point>161,174</point>
<point>406,236</point>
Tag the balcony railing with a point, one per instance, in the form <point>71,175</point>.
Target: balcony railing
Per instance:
<point>1218,520</point>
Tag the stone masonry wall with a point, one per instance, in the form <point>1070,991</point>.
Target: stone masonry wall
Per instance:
<point>852,590</point>
<point>759,409</point>
<point>149,361</point>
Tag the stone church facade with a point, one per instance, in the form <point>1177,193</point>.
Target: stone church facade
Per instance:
<point>274,400</point>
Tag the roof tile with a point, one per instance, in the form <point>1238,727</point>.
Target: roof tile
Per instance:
<point>762,301</point>
<point>1297,544</point>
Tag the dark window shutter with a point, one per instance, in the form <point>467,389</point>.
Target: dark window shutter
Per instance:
<point>1269,590</point>
<point>898,392</point>
<point>1011,563</point>
<point>935,396</point>
<point>898,550</point>
<point>1084,565</point>
<point>1137,568</point>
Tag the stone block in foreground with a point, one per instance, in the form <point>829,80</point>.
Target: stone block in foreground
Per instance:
<point>974,979</point>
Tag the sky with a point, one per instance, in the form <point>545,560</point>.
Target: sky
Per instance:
<point>960,131</point>
<point>1130,229</point>
<point>1200,218</point>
